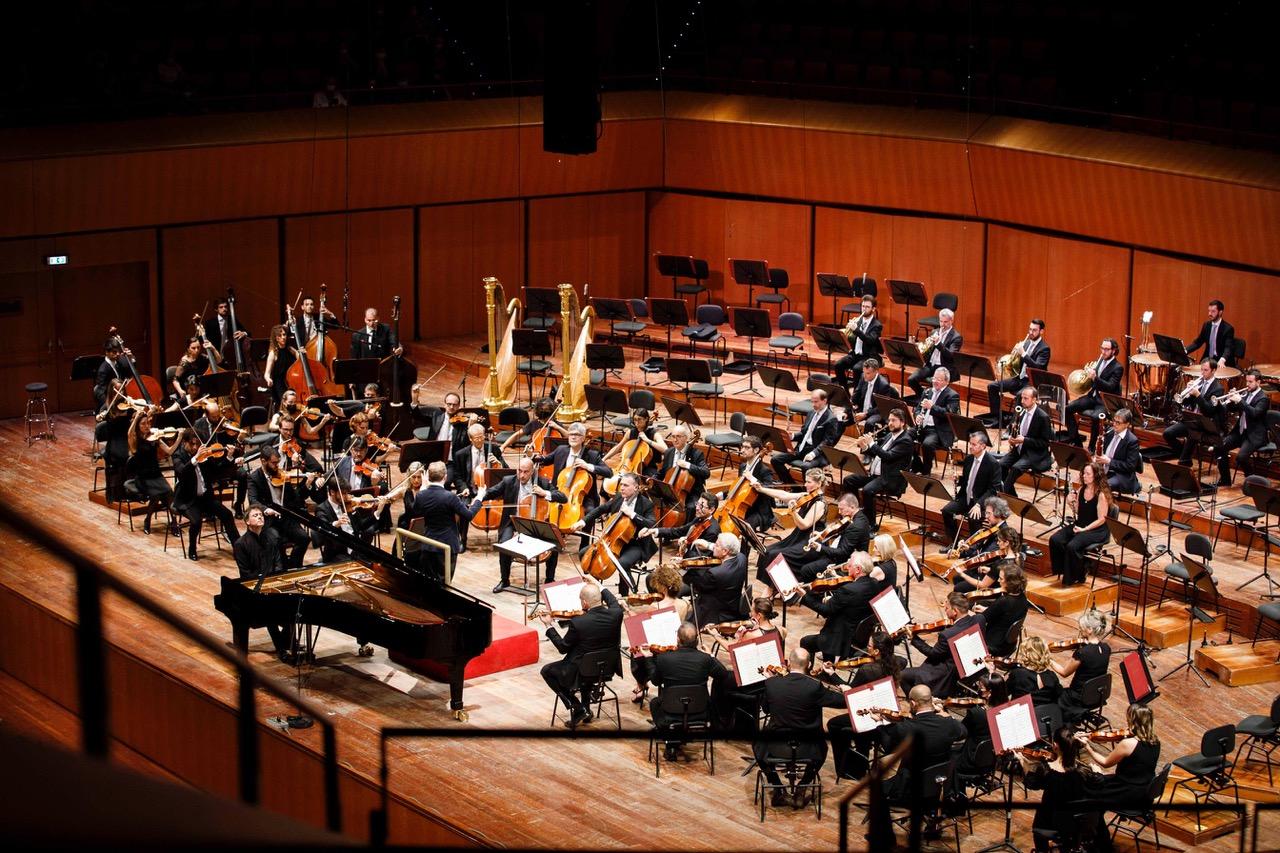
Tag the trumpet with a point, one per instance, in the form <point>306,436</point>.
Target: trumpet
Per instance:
<point>1230,397</point>
<point>1182,395</point>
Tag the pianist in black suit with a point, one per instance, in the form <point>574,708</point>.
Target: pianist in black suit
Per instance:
<point>257,554</point>
<point>1216,336</point>
<point>598,629</point>
<point>1249,433</point>
<point>521,494</point>
<point>443,514</point>
<point>270,497</point>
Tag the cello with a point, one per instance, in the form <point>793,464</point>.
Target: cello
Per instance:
<point>740,499</point>
<point>489,515</point>
<point>139,386</point>
<point>635,456</point>
<point>600,560</point>
<point>307,376</point>
<point>575,482</point>
<point>397,375</point>
<point>681,482</point>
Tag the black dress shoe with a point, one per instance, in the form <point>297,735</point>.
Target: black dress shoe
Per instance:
<point>500,586</point>
<point>146,526</point>
<point>193,556</point>
<point>578,718</point>
<point>778,798</point>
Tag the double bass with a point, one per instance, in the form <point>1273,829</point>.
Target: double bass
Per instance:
<point>139,385</point>
<point>249,379</point>
<point>398,375</point>
<point>230,402</point>
<point>320,348</point>
<point>308,376</point>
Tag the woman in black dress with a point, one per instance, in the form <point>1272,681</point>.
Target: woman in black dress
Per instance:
<point>1063,782</point>
<point>809,513</point>
<point>1088,661</point>
<point>280,357</point>
<point>1134,758</point>
<point>1034,676</point>
<point>995,690</point>
<point>144,465</point>
<point>1092,504</point>
<point>854,763</point>
<point>641,429</point>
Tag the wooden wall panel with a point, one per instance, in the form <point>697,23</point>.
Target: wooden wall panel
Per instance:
<point>945,255</point>
<point>201,261</point>
<point>1143,207</point>
<point>459,245</point>
<point>888,171</point>
<point>597,239</point>
<point>686,225</point>
<point>759,160</point>
<point>1080,289</point>
<point>428,168</point>
<point>17,214</point>
<point>629,156</point>
<point>379,266</point>
<point>1178,292</point>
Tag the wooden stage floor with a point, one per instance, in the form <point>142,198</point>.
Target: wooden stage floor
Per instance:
<point>554,794</point>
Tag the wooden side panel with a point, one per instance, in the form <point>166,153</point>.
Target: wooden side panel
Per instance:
<point>741,158</point>
<point>686,225</point>
<point>427,168</point>
<point>629,156</point>
<point>777,233</point>
<point>1179,291</point>
<point>460,245</point>
<point>1143,207</point>
<point>201,261</point>
<point>598,239</point>
<point>1081,290</point>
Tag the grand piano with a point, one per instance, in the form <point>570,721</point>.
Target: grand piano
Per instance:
<point>374,596</point>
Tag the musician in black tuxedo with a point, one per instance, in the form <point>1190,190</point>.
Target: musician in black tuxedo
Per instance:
<point>218,331</point>
<point>115,365</point>
<point>844,610</point>
<point>863,333</point>
<point>885,460</point>
<point>1035,353</point>
<point>854,535</point>
<point>472,457</point>
<point>193,494</point>
<point>361,523</point>
<point>948,342</point>
<point>374,339</point>
<point>682,454</point>
<point>257,556</point>
<point>979,479</point>
<point>718,589</point>
<point>1198,397</point>
<point>933,429</point>
<point>269,497</point>
<point>576,454</point>
<point>938,671</point>
<point>1217,337</point>
<point>862,408</point>
<point>795,702</point>
<point>702,519</point>
<point>598,629</point>
<point>1107,373</point>
<point>932,733</point>
<point>687,666</point>
<point>436,423</point>
<point>819,429</point>
<point>1121,454</point>
<point>521,493</point>
<point>630,502</point>
<point>760,516</point>
<point>307,321</point>
<point>1031,433</point>
<point>443,515</point>
<point>1250,431</point>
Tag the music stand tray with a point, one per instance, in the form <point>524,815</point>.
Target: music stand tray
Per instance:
<point>972,367</point>
<point>844,460</point>
<point>885,405</point>
<point>355,371</point>
<point>676,266</point>
<point>781,441</point>
<point>681,411</point>
<point>424,452</point>
<point>835,286</point>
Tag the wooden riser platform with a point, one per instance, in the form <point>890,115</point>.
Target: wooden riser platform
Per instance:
<point>1240,663</point>
<point>1056,600</point>
<point>1168,625</point>
<point>1182,825</point>
<point>1252,780</point>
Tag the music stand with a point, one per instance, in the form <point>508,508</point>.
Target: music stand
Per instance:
<point>355,372</point>
<point>836,394</point>
<point>611,310</point>
<point>681,411</point>
<point>835,286</point>
<point>844,459</point>
<point>927,487</point>
<point>1177,483</point>
<point>829,340</point>
<point>677,267</point>
<point>670,313</point>
<point>972,367</point>
<point>1129,539</point>
<point>1266,499</point>
<point>1024,509</point>
<point>1173,351</point>
<point>777,378</point>
<point>1200,580</point>
<point>542,532</point>
<point>885,405</point>
<point>606,357</point>
<point>688,371</point>
<point>751,273</point>
<point>906,354</point>
<point>1202,429</point>
<point>424,452</point>
<point>907,293</point>
<point>962,426</point>
<point>606,401</point>
<point>781,441</point>
<point>750,323</point>
<point>532,345</point>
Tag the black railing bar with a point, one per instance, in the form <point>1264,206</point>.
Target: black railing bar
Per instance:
<point>395,732</point>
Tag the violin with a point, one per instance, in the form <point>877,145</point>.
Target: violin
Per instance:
<point>977,560</point>
<point>697,562</point>
<point>989,592</point>
<point>210,451</point>
<point>821,537</point>
<point>829,583</point>
<point>639,599</point>
<point>974,539</point>
<point>926,628</point>
<point>355,503</point>
<point>964,702</point>
<point>167,432</point>
<point>884,714</point>
<point>367,467</point>
<point>728,629</point>
<point>1002,663</point>
<point>652,648</point>
<point>291,449</point>
<point>1067,645</point>
<point>682,483</point>
<point>1036,754</point>
<point>774,669</point>
<point>380,444</point>
<point>281,477</point>
<point>1110,735</point>
<point>853,663</point>
<point>563,614</point>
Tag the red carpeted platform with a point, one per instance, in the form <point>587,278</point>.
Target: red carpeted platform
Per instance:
<point>514,645</point>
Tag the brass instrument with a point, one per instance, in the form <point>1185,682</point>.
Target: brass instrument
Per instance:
<point>927,345</point>
<point>1009,366</point>
<point>851,326</point>
<point>1181,396</point>
<point>1080,382</point>
<point>1231,397</point>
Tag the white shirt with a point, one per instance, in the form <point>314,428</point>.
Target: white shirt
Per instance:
<point>338,512</point>
<point>866,398</point>
<point>927,419</point>
<point>1026,355</point>
<point>446,428</point>
<point>935,358</point>
<point>857,342</point>
<point>807,440</point>
<point>1116,438</point>
<point>355,478</point>
<point>874,468</point>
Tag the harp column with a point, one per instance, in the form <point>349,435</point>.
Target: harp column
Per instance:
<point>492,401</point>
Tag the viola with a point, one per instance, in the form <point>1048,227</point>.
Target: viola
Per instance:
<point>884,714</point>
<point>600,558</point>
<point>964,702</point>
<point>1067,645</point>
<point>974,539</point>
<point>695,532</point>
<point>989,592</point>
<point>1036,754</point>
<point>639,599</point>
<point>682,483</point>
<point>1110,735</point>
<point>829,583</point>
<point>635,456</point>
<point>575,483</point>
<point>728,629</point>
<point>652,648</point>
<point>854,663</point>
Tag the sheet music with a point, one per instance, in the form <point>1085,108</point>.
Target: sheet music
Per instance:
<point>968,647</point>
<point>877,694</point>
<point>911,560</point>
<point>563,595</point>
<point>784,580</point>
<point>526,547</point>
<point>660,628</point>
<point>750,656</point>
<point>890,611</point>
<point>1015,724</point>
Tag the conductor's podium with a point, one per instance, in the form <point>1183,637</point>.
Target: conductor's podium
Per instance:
<point>513,645</point>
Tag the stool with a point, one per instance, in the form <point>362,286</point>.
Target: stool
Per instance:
<point>38,413</point>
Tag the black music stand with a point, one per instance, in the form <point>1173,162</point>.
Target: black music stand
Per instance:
<point>532,345</point>
<point>1177,483</point>
<point>844,460</point>
<point>1129,539</point>
<point>681,411</point>
<point>1173,351</point>
<point>612,311</point>
<point>1024,509</point>
<point>608,358</point>
<point>972,367</point>
<point>906,354</point>
<point>355,373</point>
<point>928,487</point>
<point>750,323</point>
<point>1266,499</point>
<point>1202,429</point>
<point>863,285</point>
<point>885,405</point>
<point>751,273</point>
<point>836,394</point>
<point>670,313</point>
<point>217,384</point>
<point>690,372</point>
<point>770,435</point>
<point>606,401</point>
<point>906,294</point>
<point>677,267</point>
<point>835,286</point>
<point>830,341</point>
<point>1200,581</point>
<point>777,378</point>
<point>424,452</point>
<point>544,531</point>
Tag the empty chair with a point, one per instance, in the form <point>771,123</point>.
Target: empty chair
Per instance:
<point>1245,516</point>
<point>731,441</point>
<point>778,282</point>
<point>940,301</point>
<point>706,328</point>
<point>511,416</point>
<point>789,323</point>
<point>1197,546</point>
<point>1210,769</point>
<point>1262,733</point>
<point>696,287</point>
